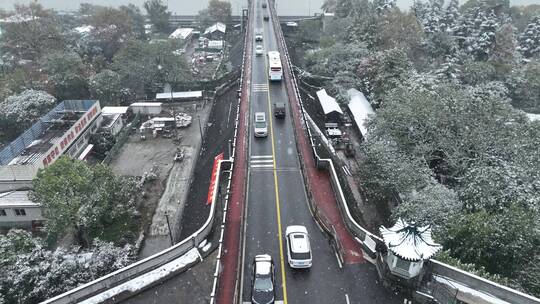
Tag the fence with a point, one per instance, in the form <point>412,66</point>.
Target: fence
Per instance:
<point>121,139</point>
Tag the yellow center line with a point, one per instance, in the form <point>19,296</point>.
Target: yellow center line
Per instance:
<point>281,257</point>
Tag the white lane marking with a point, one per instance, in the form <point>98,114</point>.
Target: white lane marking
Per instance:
<point>262,166</point>
<point>259,87</point>
<point>347,299</point>
<point>261,156</point>
<point>262,161</point>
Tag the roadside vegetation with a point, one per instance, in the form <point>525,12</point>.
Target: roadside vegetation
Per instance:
<point>449,85</point>
<point>93,216</point>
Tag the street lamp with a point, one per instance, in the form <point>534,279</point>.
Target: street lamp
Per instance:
<point>169,227</point>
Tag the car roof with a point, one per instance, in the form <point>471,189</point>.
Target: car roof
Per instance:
<point>295,228</point>
<point>260,116</point>
<point>263,264</point>
<point>259,47</point>
<point>299,242</point>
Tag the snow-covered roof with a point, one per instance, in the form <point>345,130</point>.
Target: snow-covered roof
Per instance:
<point>18,19</point>
<point>215,44</point>
<point>533,117</point>
<point>181,33</point>
<point>179,95</point>
<point>146,104</point>
<point>360,109</point>
<point>328,103</point>
<point>114,110</point>
<point>410,242</point>
<point>216,27</point>
<point>85,29</point>
<point>16,199</point>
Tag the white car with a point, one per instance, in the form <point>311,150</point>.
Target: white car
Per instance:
<point>261,128</point>
<point>298,248</point>
<point>258,37</point>
<point>259,50</point>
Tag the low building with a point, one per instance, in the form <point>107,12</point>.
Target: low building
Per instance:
<point>331,109</point>
<point>114,119</point>
<point>179,96</point>
<point>65,130</point>
<point>18,211</point>
<point>360,110</point>
<point>182,33</point>
<point>146,108</point>
<point>216,31</point>
<point>215,45</point>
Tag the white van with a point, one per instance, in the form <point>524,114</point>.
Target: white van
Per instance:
<point>261,127</point>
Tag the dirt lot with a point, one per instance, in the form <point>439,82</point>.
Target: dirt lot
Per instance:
<point>156,155</point>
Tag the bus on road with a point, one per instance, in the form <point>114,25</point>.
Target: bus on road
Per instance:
<point>275,72</point>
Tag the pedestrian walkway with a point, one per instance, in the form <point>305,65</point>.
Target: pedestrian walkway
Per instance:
<point>261,161</point>
<point>319,184</point>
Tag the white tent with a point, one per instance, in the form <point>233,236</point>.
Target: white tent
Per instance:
<point>328,103</point>
<point>360,109</point>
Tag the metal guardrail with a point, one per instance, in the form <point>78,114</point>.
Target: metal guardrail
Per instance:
<point>141,267</point>
<point>217,271</point>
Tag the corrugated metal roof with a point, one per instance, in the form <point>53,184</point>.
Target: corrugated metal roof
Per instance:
<point>114,110</point>
<point>409,241</point>
<point>216,27</point>
<point>181,33</point>
<point>179,95</point>
<point>328,103</point>
<point>15,199</point>
<point>360,109</point>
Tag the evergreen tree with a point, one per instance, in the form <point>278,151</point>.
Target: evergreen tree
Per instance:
<point>529,40</point>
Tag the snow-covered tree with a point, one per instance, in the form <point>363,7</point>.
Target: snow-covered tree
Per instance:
<point>504,51</point>
<point>529,40</point>
<point>107,87</point>
<point>87,202</point>
<point>66,75</point>
<point>18,112</point>
<point>37,273</point>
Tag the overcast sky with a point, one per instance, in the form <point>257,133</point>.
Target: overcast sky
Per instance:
<point>191,7</point>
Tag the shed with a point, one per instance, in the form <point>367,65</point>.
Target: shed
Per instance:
<point>114,110</point>
<point>216,31</point>
<point>183,33</point>
<point>112,123</point>
<point>146,108</point>
<point>179,96</point>
<point>17,210</point>
<point>216,44</point>
<point>331,109</point>
<point>360,109</point>
<point>408,246</point>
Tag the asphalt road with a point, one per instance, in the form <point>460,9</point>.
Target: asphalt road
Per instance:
<point>276,198</point>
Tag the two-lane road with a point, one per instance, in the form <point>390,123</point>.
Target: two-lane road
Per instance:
<point>276,198</point>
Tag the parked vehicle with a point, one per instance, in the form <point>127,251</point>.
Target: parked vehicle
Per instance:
<point>262,283</point>
<point>279,109</point>
<point>298,247</point>
<point>261,127</point>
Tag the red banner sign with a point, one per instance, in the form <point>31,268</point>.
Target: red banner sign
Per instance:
<point>213,179</point>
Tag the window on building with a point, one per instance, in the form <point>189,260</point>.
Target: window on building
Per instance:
<point>20,212</point>
<point>402,264</point>
<point>3,212</point>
